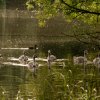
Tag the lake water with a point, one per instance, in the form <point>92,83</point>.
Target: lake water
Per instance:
<point>18,83</point>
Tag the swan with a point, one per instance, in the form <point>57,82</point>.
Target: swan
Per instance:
<point>23,59</point>
<point>33,65</point>
<point>80,59</point>
<point>96,61</point>
<point>50,58</point>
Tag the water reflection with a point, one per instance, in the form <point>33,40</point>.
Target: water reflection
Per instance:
<point>16,81</point>
<point>10,79</point>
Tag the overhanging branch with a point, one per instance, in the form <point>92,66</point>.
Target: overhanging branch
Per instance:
<point>79,10</point>
<point>78,38</point>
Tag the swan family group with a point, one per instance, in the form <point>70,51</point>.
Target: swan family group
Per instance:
<point>84,60</point>
<point>33,65</point>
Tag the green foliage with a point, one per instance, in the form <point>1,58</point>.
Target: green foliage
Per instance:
<point>30,5</point>
<point>68,83</point>
<point>85,10</point>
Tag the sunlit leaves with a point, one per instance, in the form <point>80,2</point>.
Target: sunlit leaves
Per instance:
<point>42,23</point>
<point>50,8</point>
<point>30,5</point>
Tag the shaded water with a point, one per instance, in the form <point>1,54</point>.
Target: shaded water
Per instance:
<point>18,83</point>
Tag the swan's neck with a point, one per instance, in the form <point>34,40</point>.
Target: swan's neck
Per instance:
<point>49,54</point>
<point>34,60</point>
<point>85,54</point>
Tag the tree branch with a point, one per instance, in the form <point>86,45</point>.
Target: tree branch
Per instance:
<point>78,38</point>
<point>80,10</point>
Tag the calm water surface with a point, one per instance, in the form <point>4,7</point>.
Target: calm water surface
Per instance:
<point>17,82</point>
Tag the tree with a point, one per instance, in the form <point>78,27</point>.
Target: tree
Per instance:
<point>87,11</point>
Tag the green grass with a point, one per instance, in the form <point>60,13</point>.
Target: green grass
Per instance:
<point>68,83</point>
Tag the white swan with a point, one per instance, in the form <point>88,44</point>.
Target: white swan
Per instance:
<point>33,65</point>
<point>23,59</point>
<point>50,58</point>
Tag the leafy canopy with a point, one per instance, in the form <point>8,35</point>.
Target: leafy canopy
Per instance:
<point>85,10</point>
